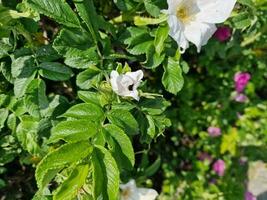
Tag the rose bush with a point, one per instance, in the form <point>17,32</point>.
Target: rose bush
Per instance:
<point>109,100</point>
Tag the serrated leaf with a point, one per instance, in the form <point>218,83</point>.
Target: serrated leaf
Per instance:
<point>105,175</point>
<point>4,115</point>
<point>56,160</point>
<point>125,120</point>
<point>140,48</point>
<point>87,12</point>
<point>172,78</point>
<point>161,35</point>
<point>153,59</point>
<point>35,99</point>
<point>87,111</point>
<point>27,135</point>
<point>55,71</point>
<point>21,85</point>
<point>71,186</point>
<point>22,67</point>
<point>46,53</point>
<point>154,106</point>
<point>121,146</point>
<point>56,9</point>
<point>89,78</point>
<point>151,8</point>
<point>73,131</point>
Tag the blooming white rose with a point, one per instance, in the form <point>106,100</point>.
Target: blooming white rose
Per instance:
<point>131,192</point>
<point>126,84</point>
<point>194,20</point>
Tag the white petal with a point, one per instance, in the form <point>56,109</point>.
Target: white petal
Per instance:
<point>134,94</point>
<point>136,76</point>
<point>147,194</point>
<point>199,33</point>
<point>177,32</point>
<point>214,11</point>
<point>131,184</point>
<point>172,6</point>
<point>113,80</point>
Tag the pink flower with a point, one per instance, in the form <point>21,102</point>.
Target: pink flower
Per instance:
<point>241,98</point>
<point>223,33</point>
<point>249,196</point>
<point>241,80</point>
<point>219,167</point>
<point>214,131</point>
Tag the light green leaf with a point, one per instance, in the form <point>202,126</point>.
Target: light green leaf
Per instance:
<point>125,120</point>
<point>56,160</point>
<point>21,85</point>
<point>151,8</point>
<point>122,146</point>
<point>56,9</point>
<point>27,135</point>
<point>35,99</point>
<point>73,131</point>
<point>106,175</point>
<point>86,111</point>
<point>4,115</point>
<point>71,186</point>
<point>172,79</point>
<point>55,71</point>
<point>161,35</point>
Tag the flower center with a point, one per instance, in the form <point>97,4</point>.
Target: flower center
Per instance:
<point>183,14</point>
<point>126,194</point>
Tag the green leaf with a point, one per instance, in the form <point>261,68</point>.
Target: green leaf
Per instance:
<point>140,48</point>
<point>106,175</point>
<point>87,12</point>
<point>22,67</point>
<point>143,21</point>
<point>4,115</point>
<point>21,85</point>
<point>242,20</point>
<point>27,135</point>
<point>73,131</point>
<point>161,35</point>
<point>172,79</point>
<point>87,111</point>
<point>89,78</point>
<point>154,106</point>
<point>121,146</point>
<point>151,8</point>
<point>70,41</point>
<point>152,169</point>
<point>35,98</point>
<point>55,71</point>
<point>56,9</point>
<point>56,160</point>
<point>153,59</point>
<point>125,120</point>
<point>46,53</point>
<point>71,186</point>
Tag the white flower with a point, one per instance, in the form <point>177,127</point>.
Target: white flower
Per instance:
<point>131,192</point>
<point>194,20</point>
<point>126,84</point>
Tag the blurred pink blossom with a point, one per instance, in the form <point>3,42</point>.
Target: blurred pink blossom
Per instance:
<point>241,98</point>
<point>219,167</point>
<point>249,196</point>
<point>214,131</point>
<point>241,80</point>
<point>223,33</point>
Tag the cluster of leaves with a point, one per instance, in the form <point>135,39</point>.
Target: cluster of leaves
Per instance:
<point>60,115</point>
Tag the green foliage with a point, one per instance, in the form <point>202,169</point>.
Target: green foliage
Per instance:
<point>61,119</point>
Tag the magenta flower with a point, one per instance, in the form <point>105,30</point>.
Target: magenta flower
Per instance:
<point>241,98</point>
<point>249,196</point>
<point>241,80</point>
<point>223,33</point>
<point>214,131</point>
<point>219,167</point>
